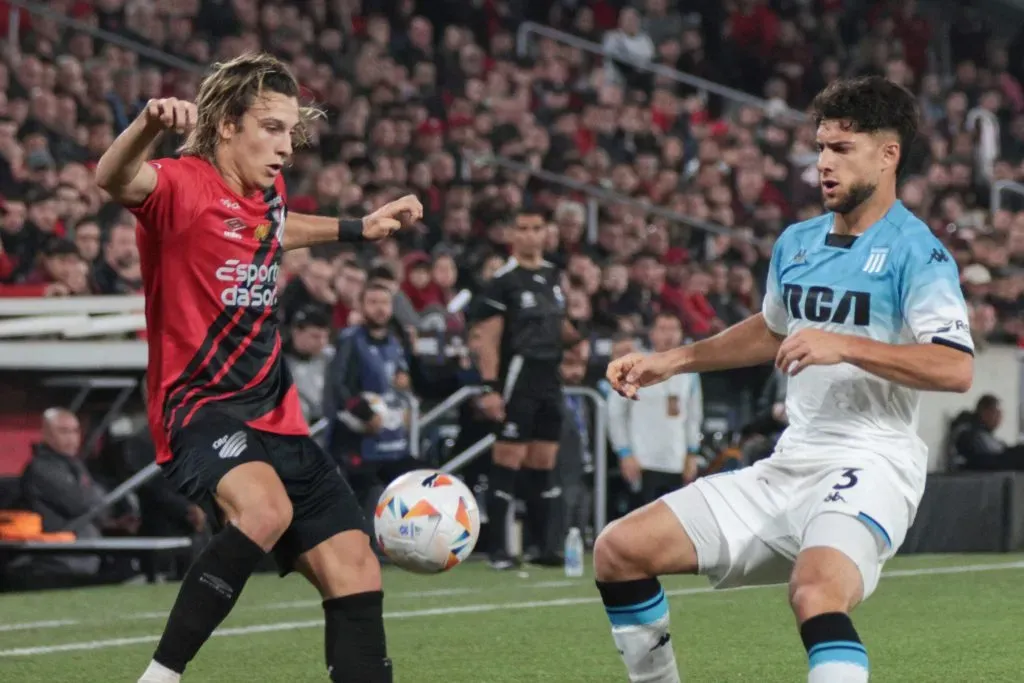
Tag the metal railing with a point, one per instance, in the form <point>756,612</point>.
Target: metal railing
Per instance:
<point>996,193</point>
<point>528,28</point>
<point>599,441</point>
<point>598,194</point>
<point>41,9</point>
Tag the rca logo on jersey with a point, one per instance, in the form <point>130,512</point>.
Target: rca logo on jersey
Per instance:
<point>825,305</point>
<point>255,286</point>
<point>229,204</point>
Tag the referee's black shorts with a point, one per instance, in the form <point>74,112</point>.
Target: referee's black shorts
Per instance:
<point>323,504</point>
<point>532,390</point>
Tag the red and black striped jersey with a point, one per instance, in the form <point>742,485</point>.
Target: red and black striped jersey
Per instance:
<point>210,262</point>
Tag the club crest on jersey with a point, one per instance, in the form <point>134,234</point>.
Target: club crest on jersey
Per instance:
<point>262,231</point>
<point>876,260</point>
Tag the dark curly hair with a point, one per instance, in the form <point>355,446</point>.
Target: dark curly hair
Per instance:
<point>870,104</point>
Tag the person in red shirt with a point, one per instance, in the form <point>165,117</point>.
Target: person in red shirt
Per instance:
<point>226,419</point>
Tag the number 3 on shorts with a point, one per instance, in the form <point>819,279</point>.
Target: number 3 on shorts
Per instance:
<point>849,479</point>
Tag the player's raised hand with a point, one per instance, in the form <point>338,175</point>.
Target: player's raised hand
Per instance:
<point>632,372</point>
<point>172,114</point>
<point>810,347</point>
<point>392,217</point>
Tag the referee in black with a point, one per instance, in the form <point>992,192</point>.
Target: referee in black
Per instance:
<point>522,328</point>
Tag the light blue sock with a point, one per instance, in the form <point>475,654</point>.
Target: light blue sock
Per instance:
<point>837,661</point>
<point>638,612</point>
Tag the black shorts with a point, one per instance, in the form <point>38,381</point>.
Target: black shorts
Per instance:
<point>323,504</point>
<point>533,402</point>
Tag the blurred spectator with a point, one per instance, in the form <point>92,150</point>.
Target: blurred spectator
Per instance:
<point>369,367</point>
<point>57,485</point>
<point>307,354</point>
<point>118,272</point>
<point>657,437</point>
<point>975,445</point>
<point>348,284</point>
<point>314,288</point>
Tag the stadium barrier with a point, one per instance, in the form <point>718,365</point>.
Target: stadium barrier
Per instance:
<point>15,7</point>
<point>599,194</point>
<point>79,333</point>
<point>997,190</point>
<point>530,28</point>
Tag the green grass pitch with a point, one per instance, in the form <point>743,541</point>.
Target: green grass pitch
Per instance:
<point>949,619</point>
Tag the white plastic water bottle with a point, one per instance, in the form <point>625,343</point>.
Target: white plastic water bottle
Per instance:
<point>574,553</point>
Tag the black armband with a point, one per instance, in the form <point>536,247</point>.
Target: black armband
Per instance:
<point>350,230</point>
<point>492,385</point>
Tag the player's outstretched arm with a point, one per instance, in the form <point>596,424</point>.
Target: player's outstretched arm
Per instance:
<point>302,230</point>
<point>122,170</point>
<point>747,343</point>
<point>927,367</point>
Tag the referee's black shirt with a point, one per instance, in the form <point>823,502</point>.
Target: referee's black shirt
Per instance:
<point>533,306</point>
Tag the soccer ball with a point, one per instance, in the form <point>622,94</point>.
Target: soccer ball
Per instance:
<point>427,521</point>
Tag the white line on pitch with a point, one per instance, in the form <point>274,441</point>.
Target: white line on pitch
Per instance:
<point>457,609</point>
<point>29,625</point>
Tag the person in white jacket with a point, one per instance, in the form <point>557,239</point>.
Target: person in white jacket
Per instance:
<point>657,437</point>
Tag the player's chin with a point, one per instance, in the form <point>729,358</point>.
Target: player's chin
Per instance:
<point>265,181</point>
<point>831,202</point>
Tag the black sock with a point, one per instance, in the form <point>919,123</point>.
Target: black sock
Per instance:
<point>542,504</point>
<point>619,594</point>
<point>354,639</point>
<point>501,493</point>
<point>208,592</point>
<point>831,637</point>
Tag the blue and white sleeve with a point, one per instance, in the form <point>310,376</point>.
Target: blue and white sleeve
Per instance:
<point>931,301</point>
<point>774,307</point>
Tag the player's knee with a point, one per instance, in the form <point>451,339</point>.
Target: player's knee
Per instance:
<point>809,598</point>
<point>345,565</point>
<point>267,521</point>
<point>616,555</point>
<point>365,566</point>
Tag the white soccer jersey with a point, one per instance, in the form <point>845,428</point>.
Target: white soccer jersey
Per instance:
<point>895,283</point>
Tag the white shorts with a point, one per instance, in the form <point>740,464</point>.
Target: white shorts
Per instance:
<point>749,525</point>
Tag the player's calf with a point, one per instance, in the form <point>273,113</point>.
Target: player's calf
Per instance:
<point>347,574</point>
<point>837,566</point>
<point>629,555</point>
<point>257,507</point>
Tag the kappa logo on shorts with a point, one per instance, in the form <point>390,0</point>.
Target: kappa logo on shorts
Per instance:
<point>230,446</point>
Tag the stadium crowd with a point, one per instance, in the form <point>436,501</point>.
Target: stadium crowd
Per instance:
<point>412,94</point>
<point>418,95</point>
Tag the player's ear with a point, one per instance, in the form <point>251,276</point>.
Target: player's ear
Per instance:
<point>891,152</point>
<point>227,128</point>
